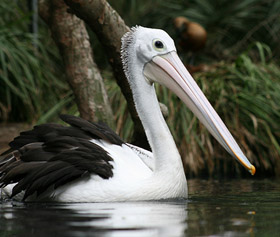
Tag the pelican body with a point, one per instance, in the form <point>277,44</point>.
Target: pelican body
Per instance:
<point>88,162</point>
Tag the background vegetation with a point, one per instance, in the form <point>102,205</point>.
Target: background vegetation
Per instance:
<point>241,79</point>
<point>31,76</point>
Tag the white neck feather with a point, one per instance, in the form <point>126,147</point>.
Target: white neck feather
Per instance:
<point>165,152</point>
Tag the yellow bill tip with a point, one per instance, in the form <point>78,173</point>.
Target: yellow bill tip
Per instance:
<point>252,170</point>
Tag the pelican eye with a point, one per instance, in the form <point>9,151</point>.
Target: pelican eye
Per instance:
<point>158,45</point>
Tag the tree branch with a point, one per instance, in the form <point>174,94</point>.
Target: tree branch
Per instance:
<point>109,28</point>
<point>70,35</point>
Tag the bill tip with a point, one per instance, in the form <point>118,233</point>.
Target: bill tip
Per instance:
<point>252,170</point>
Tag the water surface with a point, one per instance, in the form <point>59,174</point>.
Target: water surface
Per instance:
<point>214,208</point>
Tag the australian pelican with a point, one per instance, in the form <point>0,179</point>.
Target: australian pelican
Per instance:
<point>88,162</point>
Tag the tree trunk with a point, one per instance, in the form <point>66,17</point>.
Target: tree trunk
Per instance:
<point>70,35</point>
<point>109,28</point>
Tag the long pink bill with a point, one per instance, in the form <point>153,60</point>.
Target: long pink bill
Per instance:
<point>169,71</point>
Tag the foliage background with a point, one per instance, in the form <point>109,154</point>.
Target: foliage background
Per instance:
<point>241,81</point>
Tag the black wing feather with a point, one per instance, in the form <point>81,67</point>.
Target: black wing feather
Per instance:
<point>44,182</point>
<point>52,155</point>
<point>97,130</point>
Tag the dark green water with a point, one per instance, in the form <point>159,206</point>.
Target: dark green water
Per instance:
<point>214,208</point>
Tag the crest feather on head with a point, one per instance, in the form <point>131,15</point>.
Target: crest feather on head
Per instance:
<point>127,40</point>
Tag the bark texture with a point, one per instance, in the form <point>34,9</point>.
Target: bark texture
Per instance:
<point>70,35</point>
<point>109,28</point>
